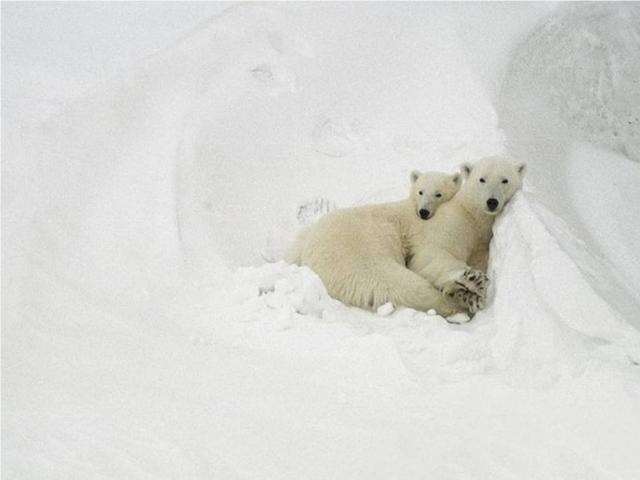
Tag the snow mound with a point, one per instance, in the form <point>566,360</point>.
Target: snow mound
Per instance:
<point>548,320</point>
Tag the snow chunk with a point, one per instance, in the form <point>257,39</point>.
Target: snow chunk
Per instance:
<point>386,309</point>
<point>459,318</point>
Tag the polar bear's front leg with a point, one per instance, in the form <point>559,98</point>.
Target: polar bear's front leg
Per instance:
<point>438,266</point>
<point>453,277</point>
<point>479,258</point>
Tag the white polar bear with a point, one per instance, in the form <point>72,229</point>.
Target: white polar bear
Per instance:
<point>359,253</point>
<point>455,248</point>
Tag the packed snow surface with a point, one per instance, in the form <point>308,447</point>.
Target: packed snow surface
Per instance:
<point>150,329</point>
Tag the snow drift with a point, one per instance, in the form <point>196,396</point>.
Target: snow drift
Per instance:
<point>145,337</point>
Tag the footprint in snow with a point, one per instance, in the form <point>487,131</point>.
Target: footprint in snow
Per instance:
<point>336,138</point>
<point>276,78</point>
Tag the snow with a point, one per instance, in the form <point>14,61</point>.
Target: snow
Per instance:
<point>145,336</point>
<point>386,309</point>
<point>590,86</point>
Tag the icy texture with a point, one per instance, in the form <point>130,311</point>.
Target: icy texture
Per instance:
<point>585,62</point>
<point>144,336</point>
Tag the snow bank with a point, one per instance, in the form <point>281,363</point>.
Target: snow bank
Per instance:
<point>145,337</point>
<point>569,84</point>
<point>548,320</point>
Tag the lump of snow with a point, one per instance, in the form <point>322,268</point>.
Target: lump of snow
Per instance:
<point>385,309</point>
<point>459,318</point>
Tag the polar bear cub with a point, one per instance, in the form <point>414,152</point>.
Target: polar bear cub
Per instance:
<point>455,248</point>
<point>359,253</point>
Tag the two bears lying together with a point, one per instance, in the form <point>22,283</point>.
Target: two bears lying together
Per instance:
<point>429,251</point>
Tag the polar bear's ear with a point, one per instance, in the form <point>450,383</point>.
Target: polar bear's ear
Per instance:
<point>465,169</point>
<point>415,175</point>
<point>521,168</point>
<point>456,178</point>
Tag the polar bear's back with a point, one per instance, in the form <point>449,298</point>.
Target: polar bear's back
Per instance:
<point>345,247</point>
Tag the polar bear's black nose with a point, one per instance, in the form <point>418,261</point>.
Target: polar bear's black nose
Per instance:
<point>424,213</point>
<point>492,203</point>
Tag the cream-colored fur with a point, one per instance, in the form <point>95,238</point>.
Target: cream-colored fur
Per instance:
<point>454,249</point>
<point>359,253</point>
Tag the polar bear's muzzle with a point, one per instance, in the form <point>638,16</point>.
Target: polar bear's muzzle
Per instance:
<point>424,214</point>
<point>492,205</point>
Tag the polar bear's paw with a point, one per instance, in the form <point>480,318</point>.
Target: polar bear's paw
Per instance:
<point>469,290</point>
<point>449,307</point>
<point>471,301</point>
<point>475,281</point>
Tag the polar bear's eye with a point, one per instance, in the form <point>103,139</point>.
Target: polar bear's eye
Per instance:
<point>482,180</point>
<point>420,192</point>
<point>438,195</point>
<point>505,180</point>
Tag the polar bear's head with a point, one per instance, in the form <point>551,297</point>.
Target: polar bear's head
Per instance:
<point>491,182</point>
<point>431,189</point>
